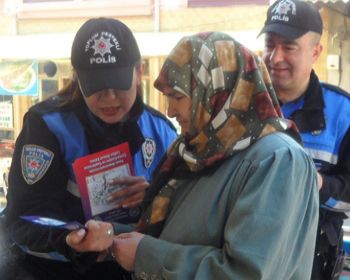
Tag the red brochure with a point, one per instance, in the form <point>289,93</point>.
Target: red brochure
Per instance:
<point>95,174</point>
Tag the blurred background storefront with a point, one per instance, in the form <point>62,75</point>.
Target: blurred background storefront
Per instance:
<point>36,37</point>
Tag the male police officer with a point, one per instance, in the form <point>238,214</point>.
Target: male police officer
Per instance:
<point>322,113</point>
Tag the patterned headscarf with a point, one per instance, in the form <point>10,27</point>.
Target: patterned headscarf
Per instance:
<point>233,105</point>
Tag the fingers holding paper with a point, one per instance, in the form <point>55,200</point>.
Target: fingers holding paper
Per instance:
<point>97,237</point>
<point>133,192</point>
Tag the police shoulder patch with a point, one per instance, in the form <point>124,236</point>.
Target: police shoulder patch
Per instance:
<point>35,160</point>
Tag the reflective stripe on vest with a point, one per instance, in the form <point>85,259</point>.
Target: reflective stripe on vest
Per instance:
<point>73,144</point>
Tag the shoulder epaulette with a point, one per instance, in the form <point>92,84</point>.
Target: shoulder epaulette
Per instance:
<point>159,114</point>
<point>49,105</point>
<point>336,89</point>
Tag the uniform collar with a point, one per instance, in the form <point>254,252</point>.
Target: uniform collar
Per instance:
<point>310,117</point>
<point>313,94</point>
<point>101,136</point>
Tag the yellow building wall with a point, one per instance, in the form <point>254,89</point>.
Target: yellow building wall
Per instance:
<point>235,18</point>
<point>213,19</point>
<point>178,20</point>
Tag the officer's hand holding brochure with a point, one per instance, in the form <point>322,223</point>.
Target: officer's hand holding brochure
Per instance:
<point>95,175</point>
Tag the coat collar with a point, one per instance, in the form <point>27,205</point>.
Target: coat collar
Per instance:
<point>310,118</point>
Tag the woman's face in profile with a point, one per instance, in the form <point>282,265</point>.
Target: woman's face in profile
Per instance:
<point>180,108</point>
<point>112,105</point>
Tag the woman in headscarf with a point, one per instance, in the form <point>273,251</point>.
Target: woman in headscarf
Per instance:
<point>236,196</point>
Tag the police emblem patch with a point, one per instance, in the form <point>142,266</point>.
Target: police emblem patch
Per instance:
<point>35,161</point>
<point>148,151</point>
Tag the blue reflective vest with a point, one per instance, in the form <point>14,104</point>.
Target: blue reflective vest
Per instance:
<point>158,134</point>
<point>323,143</point>
<point>73,144</point>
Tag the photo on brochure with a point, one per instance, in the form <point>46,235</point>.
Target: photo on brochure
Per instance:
<point>95,174</point>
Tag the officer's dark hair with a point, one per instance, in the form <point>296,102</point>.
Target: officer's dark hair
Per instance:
<point>71,92</point>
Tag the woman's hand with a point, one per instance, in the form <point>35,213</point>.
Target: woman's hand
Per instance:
<point>97,238</point>
<point>132,194</point>
<point>124,249</point>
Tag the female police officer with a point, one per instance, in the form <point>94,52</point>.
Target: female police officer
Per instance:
<point>101,107</point>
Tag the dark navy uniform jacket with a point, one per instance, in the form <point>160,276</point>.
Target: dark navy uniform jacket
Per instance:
<point>322,115</point>
<point>41,180</point>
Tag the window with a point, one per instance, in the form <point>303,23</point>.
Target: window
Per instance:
<point>49,87</point>
<point>6,118</point>
<point>145,81</point>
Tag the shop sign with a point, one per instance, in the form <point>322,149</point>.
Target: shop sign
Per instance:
<point>19,77</point>
<point>6,116</point>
